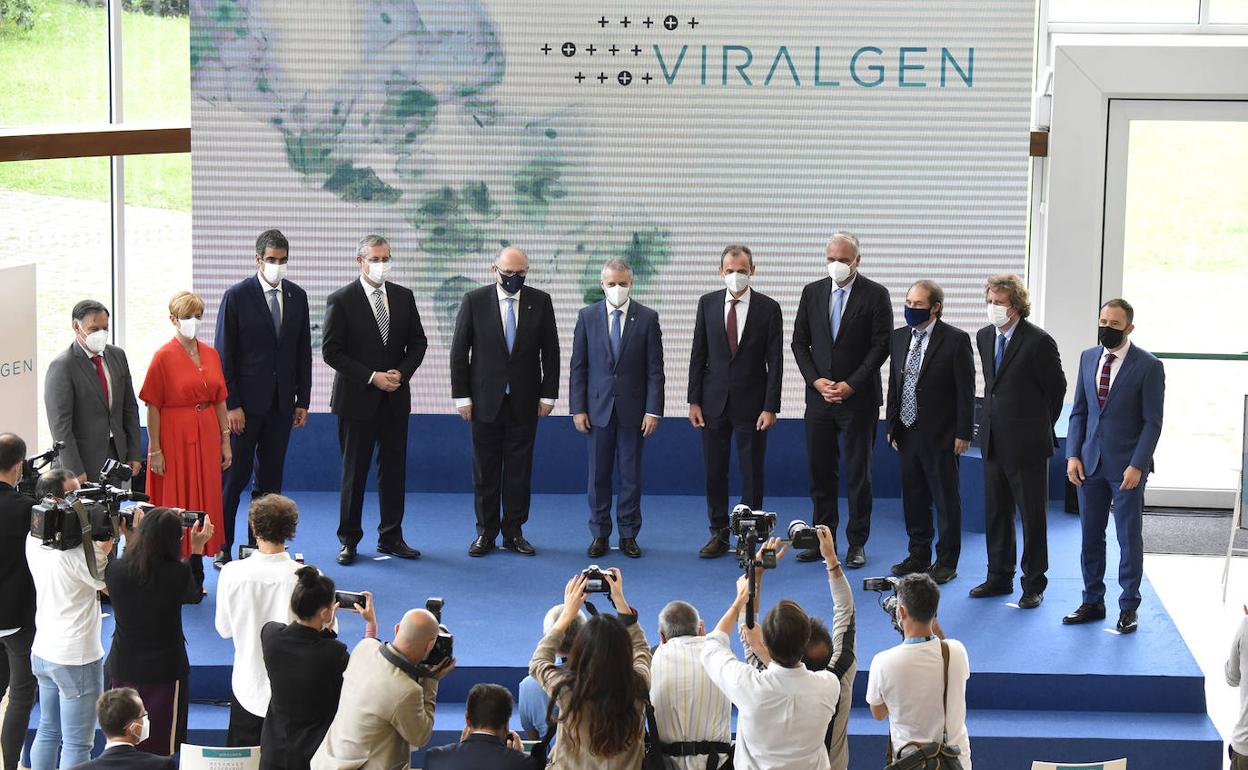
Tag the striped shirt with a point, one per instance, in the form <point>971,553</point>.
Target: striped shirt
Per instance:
<point>687,704</point>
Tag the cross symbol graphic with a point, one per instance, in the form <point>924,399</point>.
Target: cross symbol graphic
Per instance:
<point>625,77</point>
<point>568,49</point>
<point>603,22</point>
<point>546,49</point>
<point>648,22</point>
<point>646,77</point>
<point>613,49</point>
<point>580,76</point>
<point>590,49</point>
<point>693,22</point>
<point>602,77</point>
<point>670,22</point>
<point>636,50</point>
<point>624,22</point>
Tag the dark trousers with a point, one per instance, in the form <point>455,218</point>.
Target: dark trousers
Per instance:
<point>608,444</point>
<point>930,478</point>
<point>245,727</point>
<point>387,433</point>
<point>1238,761</point>
<point>20,684</point>
<point>1095,497</point>
<point>262,444</point>
<point>823,457</point>
<point>717,437</point>
<point>167,705</point>
<point>502,471</point>
<point>1025,488</point>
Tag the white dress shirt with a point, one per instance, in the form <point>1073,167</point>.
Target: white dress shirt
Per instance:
<point>623,315</point>
<point>385,298</point>
<point>503,296</point>
<point>1114,366</point>
<point>782,713</point>
<point>108,375</point>
<point>281,298</point>
<point>847,288</point>
<point>67,606</point>
<point>250,593</point>
<point>909,679</point>
<point>743,309</point>
<point>687,704</point>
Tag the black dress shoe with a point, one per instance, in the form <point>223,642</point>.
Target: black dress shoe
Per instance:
<point>399,549</point>
<point>519,545</point>
<point>989,588</point>
<point>346,555</point>
<point>910,565</point>
<point>222,558</point>
<point>481,546</point>
<point>810,554</point>
<point>630,548</point>
<point>597,548</point>
<point>1128,621</point>
<point>716,546</point>
<point>1031,600</point>
<point>942,574</point>
<point>855,557</point>
<point>1086,613</point>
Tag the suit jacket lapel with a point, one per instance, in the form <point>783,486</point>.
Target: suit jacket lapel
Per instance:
<point>525,321</point>
<point>1124,371</point>
<point>87,366</point>
<point>287,294</point>
<point>936,335</point>
<point>1011,347</point>
<point>260,295</point>
<point>600,317</point>
<point>718,330</point>
<point>630,324</point>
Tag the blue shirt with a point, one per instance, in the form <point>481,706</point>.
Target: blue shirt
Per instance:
<point>532,708</point>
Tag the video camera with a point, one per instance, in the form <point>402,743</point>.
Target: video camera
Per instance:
<point>444,645</point>
<point>92,512</point>
<point>751,528</point>
<point>885,585</point>
<point>32,467</point>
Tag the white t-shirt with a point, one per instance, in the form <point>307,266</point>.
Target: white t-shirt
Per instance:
<point>908,680</point>
<point>67,607</point>
<point>250,593</point>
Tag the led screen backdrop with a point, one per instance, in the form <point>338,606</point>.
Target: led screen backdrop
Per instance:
<point>584,131</point>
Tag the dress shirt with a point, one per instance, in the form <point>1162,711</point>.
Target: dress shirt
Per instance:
<point>923,343</point>
<point>909,680</point>
<point>847,288</point>
<point>782,713</point>
<point>250,593</point>
<point>281,298</point>
<point>743,309</point>
<point>1008,334</point>
<point>1114,366</point>
<point>503,296</point>
<point>67,607</point>
<point>687,704</point>
<point>368,293</point>
<point>108,375</point>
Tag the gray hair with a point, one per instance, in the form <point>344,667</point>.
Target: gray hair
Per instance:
<point>935,294</point>
<point>679,619</point>
<point>847,237</point>
<point>368,242</point>
<point>616,266</point>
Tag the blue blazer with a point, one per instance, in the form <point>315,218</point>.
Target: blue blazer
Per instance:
<point>256,359</point>
<point>632,386</point>
<point>1125,431</point>
<point>476,752</point>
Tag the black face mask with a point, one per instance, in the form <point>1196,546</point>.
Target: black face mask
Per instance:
<point>1110,337</point>
<point>511,283</point>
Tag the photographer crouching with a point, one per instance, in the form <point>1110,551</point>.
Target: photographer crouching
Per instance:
<point>17,601</point>
<point>148,586</point>
<point>919,686</point>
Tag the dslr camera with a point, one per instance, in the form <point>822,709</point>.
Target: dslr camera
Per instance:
<point>885,585</point>
<point>803,536</point>
<point>444,645</point>
<point>751,528</point>
<point>598,580</point>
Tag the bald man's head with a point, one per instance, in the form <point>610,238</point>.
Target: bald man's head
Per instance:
<point>512,259</point>
<point>415,634</point>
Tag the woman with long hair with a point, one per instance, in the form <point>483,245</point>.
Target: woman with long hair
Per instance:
<point>305,662</point>
<point>600,694</point>
<point>148,586</point>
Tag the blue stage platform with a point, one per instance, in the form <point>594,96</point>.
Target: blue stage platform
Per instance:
<point>1039,690</point>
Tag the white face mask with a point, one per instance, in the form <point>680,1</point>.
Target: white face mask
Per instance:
<point>839,271</point>
<point>736,282</point>
<point>377,271</point>
<point>273,273</point>
<point>998,315</point>
<point>616,295</point>
<point>96,341</point>
<point>145,730</point>
<point>189,327</point>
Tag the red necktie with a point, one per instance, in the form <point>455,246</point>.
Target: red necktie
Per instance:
<point>731,323</point>
<point>1102,388</point>
<point>99,371</point>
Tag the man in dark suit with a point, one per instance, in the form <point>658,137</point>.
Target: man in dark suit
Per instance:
<point>615,394</point>
<point>89,397</point>
<point>930,417</point>
<point>504,377</point>
<point>840,341</point>
<point>735,372</point>
<point>123,720</point>
<point>17,601</point>
<point>374,342</point>
<point>1114,426</point>
<point>265,342</point>
<point>1023,390</point>
<point>486,743</point>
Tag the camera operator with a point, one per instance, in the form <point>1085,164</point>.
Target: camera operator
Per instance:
<point>907,684</point>
<point>56,484</point>
<point>601,693</point>
<point>388,700</point>
<point>783,710</point>
<point>66,655</point>
<point>688,707</point>
<point>147,587</point>
<point>827,650</point>
<point>17,602</point>
<point>304,661</point>
<point>250,593</point>
<point>486,743</point>
<point>533,699</point>
<point>125,724</point>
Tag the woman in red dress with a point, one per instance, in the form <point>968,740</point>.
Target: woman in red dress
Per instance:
<point>186,421</point>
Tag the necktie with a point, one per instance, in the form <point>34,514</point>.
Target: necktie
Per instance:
<point>383,317</point>
<point>1102,387</point>
<point>838,307</point>
<point>909,398</point>
<point>996,362</point>
<point>509,328</point>
<point>615,334</point>
<point>731,325</point>
<point>99,371</point>
<point>275,310</point>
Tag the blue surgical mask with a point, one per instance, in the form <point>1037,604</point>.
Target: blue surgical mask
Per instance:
<point>511,283</point>
<point>917,316</point>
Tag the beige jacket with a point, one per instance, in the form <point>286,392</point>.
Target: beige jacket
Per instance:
<point>542,667</point>
<point>382,715</point>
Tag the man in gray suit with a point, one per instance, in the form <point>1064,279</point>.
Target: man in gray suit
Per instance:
<point>90,400</point>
